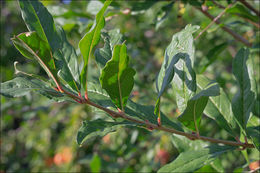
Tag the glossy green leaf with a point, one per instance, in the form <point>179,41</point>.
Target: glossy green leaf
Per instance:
<point>191,160</point>
<point>184,80</point>
<point>98,128</point>
<point>219,107</point>
<point>243,101</point>
<point>32,46</point>
<point>66,55</point>
<point>21,86</point>
<point>191,117</point>
<point>38,19</point>
<point>90,40</point>
<point>111,38</point>
<point>117,77</point>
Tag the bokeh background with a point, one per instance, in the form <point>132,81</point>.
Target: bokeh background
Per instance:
<point>38,134</point>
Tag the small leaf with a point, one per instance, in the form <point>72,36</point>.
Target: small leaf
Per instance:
<point>191,117</point>
<point>219,107</point>
<point>191,160</point>
<point>111,38</point>
<point>184,80</point>
<point>243,101</point>
<point>32,46</point>
<point>254,133</point>
<point>117,78</point>
<point>90,40</point>
<point>98,128</point>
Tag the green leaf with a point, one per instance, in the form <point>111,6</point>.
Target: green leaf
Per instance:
<point>184,80</point>
<point>95,164</point>
<point>191,160</point>
<point>69,70</point>
<point>243,101</point>
<point>183,144</point>
<point>21,86</point>
<point>32,46</point>
<point>111,38</point>
<point>98,128</point>
<point>90,40</point>
<point>219,107</point>
<point>191,117</point>
<point>38,19</point>
<point>117,78</point>
<point>164,78</point>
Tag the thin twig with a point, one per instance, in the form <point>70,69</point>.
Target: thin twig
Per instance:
<point>231,32</point>
<point>162,128</point>
<point>250,7</point>
<point>213,21</point>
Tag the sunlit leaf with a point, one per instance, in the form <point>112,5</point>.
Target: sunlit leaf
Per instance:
<point>117,77</point>
<point>191,160</point>
<point>90,40</point>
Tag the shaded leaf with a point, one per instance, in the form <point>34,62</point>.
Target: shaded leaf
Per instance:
<point>219,107</point>
<point>191,117</point>
<point>212,56</point>
<point>117,78</point>
<point>242,11</point>
<point>90,40</point>
<point>254,133</point>
<point>191,160</point>
<point>98,128</point>
<point>111,38</point>
<point>243,101</point>
<point>32,46</point>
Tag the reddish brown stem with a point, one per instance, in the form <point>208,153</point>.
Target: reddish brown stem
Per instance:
<point>162,128</point>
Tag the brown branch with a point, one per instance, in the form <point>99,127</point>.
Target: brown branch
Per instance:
<point>162,128</point>
<point>213,21</point>
<point>250,7</point>
<point>231,32</point>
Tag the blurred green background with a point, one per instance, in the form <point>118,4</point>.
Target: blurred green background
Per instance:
<point>39,135</point>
